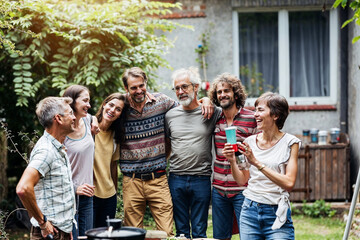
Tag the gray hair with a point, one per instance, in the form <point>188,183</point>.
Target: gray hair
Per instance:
<point>192,73</point>
<point>49,107</point>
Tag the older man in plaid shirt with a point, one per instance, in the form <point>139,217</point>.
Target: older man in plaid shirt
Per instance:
<point>46,188</point>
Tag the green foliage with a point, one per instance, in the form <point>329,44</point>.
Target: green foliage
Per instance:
<point>294,210</point>
<point>202,50</point>
<point>318,209</point>
<point>253,80</point>
<point>46,45</point>
<point>120,203</point>
<point>204,47</point>
<point>8,11</point>
<point>82,42</point>
<point>355,6</point>
<point>3,234</point>
<point>27,140</point>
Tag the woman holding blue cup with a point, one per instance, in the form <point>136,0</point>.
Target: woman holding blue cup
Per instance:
<point>272,159</point>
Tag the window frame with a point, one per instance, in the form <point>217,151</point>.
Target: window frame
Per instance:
<point>284,55</point>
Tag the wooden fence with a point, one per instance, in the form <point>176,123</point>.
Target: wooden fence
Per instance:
<point>328,174</point>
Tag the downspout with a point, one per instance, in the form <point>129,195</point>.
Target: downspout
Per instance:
<point>344,79</point>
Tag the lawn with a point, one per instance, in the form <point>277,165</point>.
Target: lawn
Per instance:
<point>306,228</point>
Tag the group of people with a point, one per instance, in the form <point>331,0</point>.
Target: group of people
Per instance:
<point>70,183</point>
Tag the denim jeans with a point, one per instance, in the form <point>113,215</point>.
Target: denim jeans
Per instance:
<point>104,207</point>
<point>83,216</point>
<point>256,220</point>
<point>191,199</point>
<point>223,209</point>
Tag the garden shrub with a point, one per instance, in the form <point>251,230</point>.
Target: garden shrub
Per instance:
<point>318,209</point>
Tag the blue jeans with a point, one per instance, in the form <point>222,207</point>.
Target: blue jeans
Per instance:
<point>256,220</point>
<point>83,216</point>
<point>223,209</point>
<point>104,207</point>
<point>191,199</point>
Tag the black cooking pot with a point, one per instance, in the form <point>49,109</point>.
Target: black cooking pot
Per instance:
<point>124,233</point>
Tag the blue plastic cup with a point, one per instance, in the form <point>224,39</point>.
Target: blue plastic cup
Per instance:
<point>231,137</point>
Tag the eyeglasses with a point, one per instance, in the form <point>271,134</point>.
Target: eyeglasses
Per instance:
<point>183,87</point>
<point>66,114</point>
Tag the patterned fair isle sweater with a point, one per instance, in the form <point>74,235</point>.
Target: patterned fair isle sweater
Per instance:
<point>144,147</point>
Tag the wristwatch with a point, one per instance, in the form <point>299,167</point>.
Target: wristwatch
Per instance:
<point>44,219</point>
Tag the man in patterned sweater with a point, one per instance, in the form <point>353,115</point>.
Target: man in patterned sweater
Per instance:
<point>227,198</point>
<point>142,154</point>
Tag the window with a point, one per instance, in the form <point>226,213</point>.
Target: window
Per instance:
<point>290,52</point>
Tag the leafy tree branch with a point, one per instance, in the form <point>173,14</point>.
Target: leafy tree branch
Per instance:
<point>82,42</point>
<point>355,6</point>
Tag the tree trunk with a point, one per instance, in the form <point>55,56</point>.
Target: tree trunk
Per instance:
<point>3,166</point>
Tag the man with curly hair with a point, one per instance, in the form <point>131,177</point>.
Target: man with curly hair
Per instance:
<point>227,197</point>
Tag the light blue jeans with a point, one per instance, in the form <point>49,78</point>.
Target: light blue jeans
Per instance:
<point>191,199</point>
<point>256,220</point>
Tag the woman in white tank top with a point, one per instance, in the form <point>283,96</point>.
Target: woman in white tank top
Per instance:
<point>80,150</point>
<point>271,172</point>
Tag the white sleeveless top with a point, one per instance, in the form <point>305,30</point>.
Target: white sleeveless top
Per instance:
<point>81,155</point>
<point>260,188</point>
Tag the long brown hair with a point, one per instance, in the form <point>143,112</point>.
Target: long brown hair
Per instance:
<point>118,124</point>
<point>74,92</point>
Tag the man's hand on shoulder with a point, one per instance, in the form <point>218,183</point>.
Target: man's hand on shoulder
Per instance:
<point>94,126</point>
<point>207,107</point>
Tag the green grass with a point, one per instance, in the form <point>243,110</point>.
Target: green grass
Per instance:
<point>318,228</point>
<point>306,228</point>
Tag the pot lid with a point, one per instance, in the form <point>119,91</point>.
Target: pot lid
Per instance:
<point>124,232</point>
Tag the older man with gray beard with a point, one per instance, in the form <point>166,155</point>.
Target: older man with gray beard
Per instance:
<point>189,135</point>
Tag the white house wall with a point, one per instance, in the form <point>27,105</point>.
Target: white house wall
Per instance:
<point>183,55</point>
<point>354,94</point>
<point>220,60</point>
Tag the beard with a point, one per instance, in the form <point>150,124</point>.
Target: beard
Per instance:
<point>137,99</point>
<point>187,102</point>
<point>228,104</point>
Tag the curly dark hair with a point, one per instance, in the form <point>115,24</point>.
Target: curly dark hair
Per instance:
<point>238,89</point>
<point>278,106</point>
<point>118,124</point>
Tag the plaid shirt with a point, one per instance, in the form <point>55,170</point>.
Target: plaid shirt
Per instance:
<point>54,192</point>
